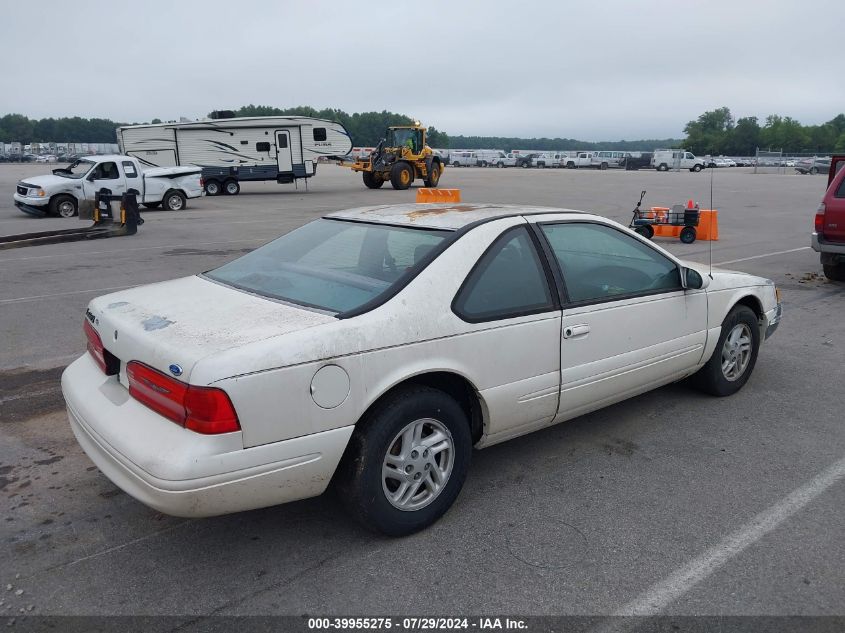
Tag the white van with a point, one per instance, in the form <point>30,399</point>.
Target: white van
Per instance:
<point>607,159</point>
<point>487,157</point>
<point>463,159</point>
<point>666,159</point>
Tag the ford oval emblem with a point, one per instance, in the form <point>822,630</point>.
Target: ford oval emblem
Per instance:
<point>176,370</point>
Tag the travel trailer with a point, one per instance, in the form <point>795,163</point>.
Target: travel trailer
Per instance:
<point>233,150</point>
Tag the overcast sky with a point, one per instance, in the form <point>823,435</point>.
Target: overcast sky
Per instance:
<point>591,70</point>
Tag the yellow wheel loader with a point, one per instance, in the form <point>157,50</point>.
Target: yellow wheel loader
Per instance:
<point>401,157</point>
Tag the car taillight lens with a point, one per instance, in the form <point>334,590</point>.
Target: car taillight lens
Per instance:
<point>202,181</point>
<point>206,410</point>
<point>819,223</point>
<point>95,345</point>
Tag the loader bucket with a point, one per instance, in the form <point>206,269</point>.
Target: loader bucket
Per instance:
<point>426,194</point>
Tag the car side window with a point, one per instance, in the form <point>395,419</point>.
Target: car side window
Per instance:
<point>106,171</point>
<point>840,191</point>
<point>129,169</point>
<point>600,263</point>
<point>508,281</point>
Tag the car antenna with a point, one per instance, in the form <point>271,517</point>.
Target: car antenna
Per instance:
<point>710,220</point>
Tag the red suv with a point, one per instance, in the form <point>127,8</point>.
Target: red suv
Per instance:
<point>829,231</point>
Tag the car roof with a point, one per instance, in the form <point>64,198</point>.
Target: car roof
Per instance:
<point>448,216</point>
<point>97,157</point>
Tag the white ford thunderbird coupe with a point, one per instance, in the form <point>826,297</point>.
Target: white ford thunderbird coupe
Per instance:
<point>375,347</point>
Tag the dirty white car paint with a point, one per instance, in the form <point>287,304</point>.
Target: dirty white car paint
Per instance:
<point>301,379</point>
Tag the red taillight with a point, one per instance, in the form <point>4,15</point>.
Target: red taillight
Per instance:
<point>819,223</point>
<point>206,410</point>
<point>202,182</point>
<point>95,345</point>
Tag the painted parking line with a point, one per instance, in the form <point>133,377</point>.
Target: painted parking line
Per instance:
<point>663,593</point>
<point>65,294</point>
<point>127,250</point>
<point>748,259</point>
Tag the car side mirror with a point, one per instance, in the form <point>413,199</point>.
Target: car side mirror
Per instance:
<point>691,279</point>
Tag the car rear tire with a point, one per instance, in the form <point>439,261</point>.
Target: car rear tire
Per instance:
<point>834,272</point>
<point>406,461</point>
<point>696,168</point>
<point>688,234</point>
<point>603,166</point>
<point>500,165</point>
<point>663,167</point>
<point>175,201</point>
<point>735,355</point>
<point>401,176</point>
<point>212,188</point>
<point>372,180</point>
<point>231,187</point>
<point>814,170</point>
<point>64,206</point>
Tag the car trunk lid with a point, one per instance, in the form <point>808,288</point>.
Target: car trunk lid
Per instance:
<point>172,325</point>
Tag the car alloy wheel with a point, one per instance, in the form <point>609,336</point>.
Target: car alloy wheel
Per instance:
<point>175,202</point>
<point>418,464</point>
<point>736,352</point>
<point>67,209</point>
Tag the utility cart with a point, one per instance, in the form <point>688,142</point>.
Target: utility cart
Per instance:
<point>688,217</point>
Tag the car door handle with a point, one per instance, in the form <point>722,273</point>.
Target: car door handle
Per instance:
<point>575,331</point>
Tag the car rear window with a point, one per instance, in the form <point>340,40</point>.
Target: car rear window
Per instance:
<point>332,265</point>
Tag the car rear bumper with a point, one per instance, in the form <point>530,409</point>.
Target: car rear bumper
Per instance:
<point>182,473</point>
<point>821,246</point>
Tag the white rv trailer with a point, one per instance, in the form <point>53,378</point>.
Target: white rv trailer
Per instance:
<point>280,148</point>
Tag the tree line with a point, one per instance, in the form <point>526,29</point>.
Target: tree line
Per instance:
<point>17,127</point>
<point>716,132</point>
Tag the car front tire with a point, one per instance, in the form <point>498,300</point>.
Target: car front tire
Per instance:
<point>406,461</point>
<point>64,206</point>
<point>733,360</point>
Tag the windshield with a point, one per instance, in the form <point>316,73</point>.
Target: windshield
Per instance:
<point>331,264</point>
<point>76,170</point>
<point>400,138</point>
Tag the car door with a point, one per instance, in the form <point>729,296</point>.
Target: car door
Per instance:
<point>509,299</point>
<point>105,175</point>
<point>133,177</point>
<point>627,324</point>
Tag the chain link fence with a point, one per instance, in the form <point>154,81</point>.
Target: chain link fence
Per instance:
<point>780,162</point>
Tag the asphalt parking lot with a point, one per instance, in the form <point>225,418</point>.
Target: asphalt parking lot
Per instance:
<point>672,501</point>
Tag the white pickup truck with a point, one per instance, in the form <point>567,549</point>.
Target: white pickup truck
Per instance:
<point>61,193</point>
<point>505,160</point>
<point>547,159</point>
